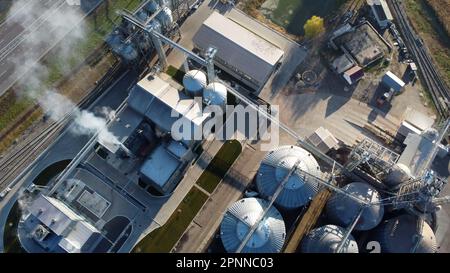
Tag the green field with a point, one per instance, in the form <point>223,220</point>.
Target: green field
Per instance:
<point>176,74</point>
<point>219,165</point>
<point>164,238</point>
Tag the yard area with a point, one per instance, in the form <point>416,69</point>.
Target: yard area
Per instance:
<point>164,238</point>
<point>219,165</point>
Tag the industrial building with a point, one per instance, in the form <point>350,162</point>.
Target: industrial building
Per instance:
<point>57,228</point>
<point>240,52</point>
<point>363,43</point>
<point>381,12</point>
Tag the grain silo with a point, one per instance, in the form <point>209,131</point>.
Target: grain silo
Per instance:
<point>342,209</point>
<point>300,188</point>
<point>404,234</point>
<point>165,18</point>
<point>326,239</point>
<point>215,94</point>
<point>397,175</point>
<point>194,81</point>
<point>268,237</point>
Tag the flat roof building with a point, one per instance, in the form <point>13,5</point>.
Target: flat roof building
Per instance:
<point>241,53</point>
<point>381,12</point>
<point>391,81</point>
<point>159,168</point>
<point>57,228</point>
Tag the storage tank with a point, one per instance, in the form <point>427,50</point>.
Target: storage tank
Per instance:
<point>342,210</point>
<point>268,237</point>
<point>151,7</point>
<point>128,52</point>
<point>400,235</point>
<point>165,18</point>
<point>326,239</point>
<point>397,175</point>
<point>299,189</point>
<point>194,81</point>
<point>215,94</point>
<point>155,25</point>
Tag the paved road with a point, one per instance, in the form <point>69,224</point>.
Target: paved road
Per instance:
<point>204,225</point>
<point>20,47</point>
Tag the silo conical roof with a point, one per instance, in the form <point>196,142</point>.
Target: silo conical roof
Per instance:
<point>299,189</point>
<point>268,237</point>
<point>342,210</point>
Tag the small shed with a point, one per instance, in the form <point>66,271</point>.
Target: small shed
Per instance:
<point>353,75</point>
<point>391,81</point>
<point>323,140</point>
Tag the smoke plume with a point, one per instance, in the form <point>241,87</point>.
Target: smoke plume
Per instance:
<point>42,25</point>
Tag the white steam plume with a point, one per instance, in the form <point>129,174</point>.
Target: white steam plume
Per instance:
<point>43,25</point>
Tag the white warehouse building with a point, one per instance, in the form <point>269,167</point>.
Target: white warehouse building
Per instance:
<point>240,52</point>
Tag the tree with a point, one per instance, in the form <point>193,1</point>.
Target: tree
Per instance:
<point>313,27</point>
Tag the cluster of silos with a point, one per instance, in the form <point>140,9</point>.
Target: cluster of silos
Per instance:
<point>267,237</point>
<point>128,46</point>
<point>343,210</point>
<point>299,187</point>
<point>195,85</point>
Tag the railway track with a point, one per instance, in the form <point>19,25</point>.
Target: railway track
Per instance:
<point>14,163</point>
<point>436,86</point>
<point>32,27</point>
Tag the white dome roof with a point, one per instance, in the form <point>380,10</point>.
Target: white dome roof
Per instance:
<point>342,210</point>
<point>398,174</point>
<point>215,94</point>
<point>194,81</point>
<point>326,239</point>
<point>268,237</point>
<point>277,164</point>
<point>400,234</point>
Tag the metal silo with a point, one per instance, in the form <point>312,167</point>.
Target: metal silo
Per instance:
<point>268,237</point>
<point>194,81</point>
<point>151,7</point>
<point>397,175</point>
<point>299,189</point>
<point>401,234</point>
<point>326,239</point>
<point>165,18</point>
<point>215,94</point>
<point>342,210</point>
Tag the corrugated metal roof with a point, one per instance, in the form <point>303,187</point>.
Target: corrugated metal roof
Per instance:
<point>398,235</point>
<point>326,239</point>
<point>269,236</point>
<point>342,210</point>
<point>276,165</point>
<point>238,46</point>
